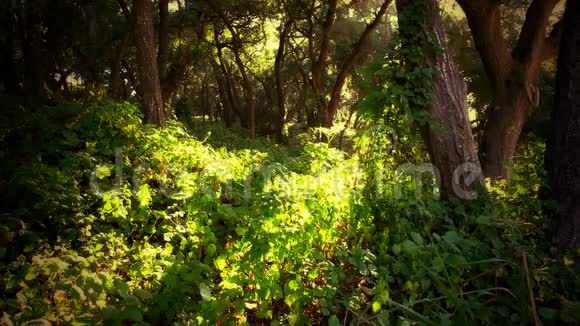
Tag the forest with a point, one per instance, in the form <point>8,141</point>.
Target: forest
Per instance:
<point>290,162</point>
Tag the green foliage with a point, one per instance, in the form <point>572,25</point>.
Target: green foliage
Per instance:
<point>399,84</point>
<point>112,222</point>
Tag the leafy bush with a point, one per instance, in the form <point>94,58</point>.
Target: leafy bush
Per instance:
<point>113,222</point>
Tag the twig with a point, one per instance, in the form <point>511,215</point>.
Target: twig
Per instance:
<point>473,278</point>
<point>537,321</point>
<point>411,311</point>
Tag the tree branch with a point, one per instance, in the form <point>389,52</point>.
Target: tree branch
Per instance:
<point>318,65</point>
<point>484,19</point>
<point>530,46</point>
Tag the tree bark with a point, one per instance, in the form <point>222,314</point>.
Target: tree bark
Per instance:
<point>563,155</point>
<point>318,66</point>
<point>8,25</point>
<point>249,97</point>
<point>232,96</point>
<point>163,52</point>
<point>174,77</point>
<point>449,137</point>
<point>513,75</point>
<point>223,94</point>
<point>280,96</point>
<point>116,88</point>
<point>147,62</point>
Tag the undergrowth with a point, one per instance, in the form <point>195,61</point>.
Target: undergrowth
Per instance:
<point>106,221</point>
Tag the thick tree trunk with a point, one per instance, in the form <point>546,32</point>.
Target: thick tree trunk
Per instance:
<point>33,57</point>
<point>147,62</point>
<point>505,122</point>
<point>449,137</point>
<point>163,52</point>
<point>8,25</point>
<point>513,75</point>
<point>563,157</point>
<point>174,77</point>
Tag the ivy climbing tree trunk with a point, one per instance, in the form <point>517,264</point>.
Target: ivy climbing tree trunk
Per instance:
<point>448,135</point>
<point>142,25</point>
<point>563,156</point>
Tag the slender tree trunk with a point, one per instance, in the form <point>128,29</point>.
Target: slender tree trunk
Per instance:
<point>116,88</point>
<point>230,89</point>
<point>150,86</point>
<point>249,97</point>
<point>280,96</point>
<point>348,66</point>
<point>318,66</point>
<point>449,138</point>
<point>563,156</point>
<point>223,93</point>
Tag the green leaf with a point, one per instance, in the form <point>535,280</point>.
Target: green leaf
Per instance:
<point>205,292</point>
<point>31,275</point>
<point>143,294</point>
<point>210,250</point>
<point>376,307</point>
<point>333,321</point>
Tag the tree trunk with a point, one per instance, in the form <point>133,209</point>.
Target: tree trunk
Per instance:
<point>33,57</point>
<point>505,122</point>
<point>8,25</point>
<point>563,156</point>
<point>318,66</point>
<point>116,87</point>
<point>223,94</point>
<point>249,97</point>
<point>163,52</point>
<point>348,66</point>
<point>449,137</point>
<point>147,62</point>
<point>513,74</point>
<point>280,97</point>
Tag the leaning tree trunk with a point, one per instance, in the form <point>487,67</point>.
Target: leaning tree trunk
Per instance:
<point>563,157</point>
<point>147,62</point>
<point>335,96</point>
<point>449,137</point>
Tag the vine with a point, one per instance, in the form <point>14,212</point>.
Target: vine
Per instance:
<point>400,82</point>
